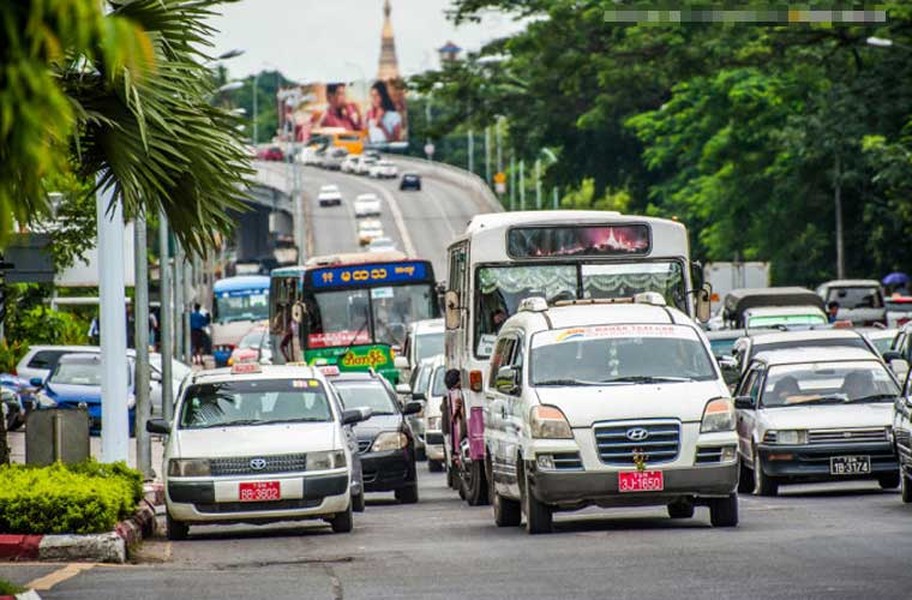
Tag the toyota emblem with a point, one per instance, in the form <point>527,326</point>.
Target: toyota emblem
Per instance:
<point>257,464</point>
<point>637,434</point>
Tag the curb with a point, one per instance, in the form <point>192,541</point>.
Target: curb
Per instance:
<point>111,547</point>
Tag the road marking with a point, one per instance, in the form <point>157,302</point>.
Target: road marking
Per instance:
<point>59,576</point>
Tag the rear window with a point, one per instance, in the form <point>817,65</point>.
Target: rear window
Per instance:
<point>45,359</point>
<point>855,342</point>
<point>856,297</point>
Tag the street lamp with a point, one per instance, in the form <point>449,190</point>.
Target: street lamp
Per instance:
<point>879,42</point>
<point>230,86</point>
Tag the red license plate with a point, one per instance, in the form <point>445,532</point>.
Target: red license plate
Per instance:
<point>259,491</point>
<point>641,481</point>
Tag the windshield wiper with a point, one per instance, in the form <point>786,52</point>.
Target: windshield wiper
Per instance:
<point>876,398</point>
<point>566,382</point>
<point>234,423</point>
<point>298,420</point>
<point>646,379</point>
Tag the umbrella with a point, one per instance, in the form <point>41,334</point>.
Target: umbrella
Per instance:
<point>896,278</point>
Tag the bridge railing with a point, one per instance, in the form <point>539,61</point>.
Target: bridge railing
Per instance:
<point>476,187</point>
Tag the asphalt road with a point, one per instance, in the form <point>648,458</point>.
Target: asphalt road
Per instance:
<point>830,541</point>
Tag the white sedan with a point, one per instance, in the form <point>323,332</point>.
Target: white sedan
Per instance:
<point>383,170</point>
<point>367,205</point>
<point>381,244</point>
<point>329,196</point>
<point>369,230</point>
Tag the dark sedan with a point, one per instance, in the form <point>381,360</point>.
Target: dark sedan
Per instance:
<point>386,444</point>
<point>410,181</point>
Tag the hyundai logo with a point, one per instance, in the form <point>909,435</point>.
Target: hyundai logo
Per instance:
<point>637,434</point>
<point>257,464</point>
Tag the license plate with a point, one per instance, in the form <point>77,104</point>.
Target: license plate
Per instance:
<point>850,465</point>
<point>641,481</point>
<point>259,491</point>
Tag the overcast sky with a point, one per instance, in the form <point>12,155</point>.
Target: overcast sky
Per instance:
<point>325,40</point>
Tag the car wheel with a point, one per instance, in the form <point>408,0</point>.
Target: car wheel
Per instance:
<point>408,495</point>
<point>177,530</point>
<point>723,512</point>
<point>764,485</point>
<point>358,502</point>
<point>343,522</point>
<point>889,482</point>
<point>474,484</point>
<point>539,518</point>
<point>683,509</point>
<point>906,489</point>
<point>745,478</point>
<point>435,466</point>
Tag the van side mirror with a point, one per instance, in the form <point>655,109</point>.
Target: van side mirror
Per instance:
<point>419,396</point>
<point>891,355</point>
<point>158,426</point>
<point>900,368</point>
<point>356,415</point>
<point>507,381</point>
<point>412,408</point>
<point>744,402</point>
<point>452,309</point>
<point>703,301</point>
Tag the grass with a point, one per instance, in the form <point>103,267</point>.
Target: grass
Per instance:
<point>9,589</point>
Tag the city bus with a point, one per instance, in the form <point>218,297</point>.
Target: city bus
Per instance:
<point>349,310</point>
<point>502,258</point>
<point>237,303</point>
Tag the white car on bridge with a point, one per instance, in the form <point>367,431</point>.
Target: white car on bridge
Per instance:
<point>369,230</point>
<point>329,196</point>
<point>367,205</point>
<point>384,170</point>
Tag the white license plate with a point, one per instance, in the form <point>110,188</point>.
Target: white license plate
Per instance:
<point>850,465</point>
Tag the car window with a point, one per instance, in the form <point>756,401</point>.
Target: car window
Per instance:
<point>372,394</point>
<point>439,387</point>
<point>45,359</point>
<point>256,402</point>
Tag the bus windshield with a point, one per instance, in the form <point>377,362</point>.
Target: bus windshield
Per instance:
<point>340,317</point>
<point>501,288</point>
<point>251,305</point>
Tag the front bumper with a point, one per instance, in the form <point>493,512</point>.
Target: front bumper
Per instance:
<point>202,500</point>
<point>812,462</point>
<point>574,490</point>
<point>387,471</point>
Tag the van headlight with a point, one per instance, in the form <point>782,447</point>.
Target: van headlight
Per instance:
<point>389,440</point>
<point>188,467</point>
<point>719,415</point>
<point>321,461</point>
<point>548,422</point>
<point>786,437</point>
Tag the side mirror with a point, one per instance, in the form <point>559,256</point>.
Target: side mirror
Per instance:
<point>356,415</point>
<point>158,426</point>
<point>728,363</point>
<point>744,402</point>
<point>36,382</point>
<point>154,375</point>
<point>412,408</point>
<point>891,355</point>
<point>507,381</point>
<point>703,303</point>
<point>419,396</point>
<point>900,367</point>
<point>403,388</point>
<point>452,313</point>
<point>401,362</point>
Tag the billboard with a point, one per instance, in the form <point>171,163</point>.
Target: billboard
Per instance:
<point>371,113</point>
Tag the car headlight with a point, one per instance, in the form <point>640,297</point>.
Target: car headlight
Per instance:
<point>390,440</point>
<point>433,423</point>
<point>188,467</point>
<point>321,461</point>
<point>548,422</point>
<point>786,437</point>
<point>719,415</point>
<point>45,401</point>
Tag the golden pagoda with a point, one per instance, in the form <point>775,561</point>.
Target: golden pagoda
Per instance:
<point>389,66</point>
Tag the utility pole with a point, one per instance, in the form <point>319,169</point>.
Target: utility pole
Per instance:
<point>115,434</point>
<point>179,350</point>
<point>185,313</point>
<point>499,139</point>
<point>141,335</point>
<point>837,199</point>
<point>512,181</point>
<point>471,152</point>
<point>256,114</point>
<point>522,185</point>
<point>488,155</point>
<point>166,322</point>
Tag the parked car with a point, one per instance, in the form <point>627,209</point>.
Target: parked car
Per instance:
<point>329,195</point>
<point>816,414</point>
<point>383,169</point>
<point>349,163</point>
<point>367,205</point>
<point>410,181</point>
<point>381,244</point>
<point>253,347</point>
<point>13,408</point>
<point>386,444</point>
<point>40,360</point>
<point>861,301</point>
<point>368,230</point>
<point>666,437</point>
<point>270,439</point>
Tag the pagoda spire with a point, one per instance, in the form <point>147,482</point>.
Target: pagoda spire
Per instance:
<point>389,66</point>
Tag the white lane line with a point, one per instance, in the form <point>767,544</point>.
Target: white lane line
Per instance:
<point>59,576</point>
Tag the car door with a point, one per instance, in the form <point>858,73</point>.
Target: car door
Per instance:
<point>902,424</point>
<point>747,418</point>
<point>497,402</point>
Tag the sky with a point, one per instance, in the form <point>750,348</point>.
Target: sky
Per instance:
<point>327,40</point>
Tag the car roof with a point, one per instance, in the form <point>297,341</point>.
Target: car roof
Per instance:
<point>851,283</point>
<point>580,315</point>
<point>815,354</point>
<point>807,334</point>
<point>266,372</point>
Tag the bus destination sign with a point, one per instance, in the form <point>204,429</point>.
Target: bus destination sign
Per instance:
<point>369,275</point>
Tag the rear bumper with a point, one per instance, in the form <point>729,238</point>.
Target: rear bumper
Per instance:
<point>387,471</point>
<point>812,463</point>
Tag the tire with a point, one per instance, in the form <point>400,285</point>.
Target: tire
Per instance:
<point>745,478</point>
<point>723,512</point>
<point>358,503</point>
<point>343,522</point>
<point>177,530</point>
<point>435,466</point>
<point>906,489</point>
<point>507,512</point>
<point>474,484</point>
<point>681,510</point>
<point>407,495</point>
<point>764,485</point>
<point>539,518</point>
<point>889,482</point>
<point>452,482</point>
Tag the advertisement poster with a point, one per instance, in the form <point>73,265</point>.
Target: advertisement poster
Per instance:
<point>372,111</point>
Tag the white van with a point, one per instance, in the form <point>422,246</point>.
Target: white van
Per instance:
<point>607,404</point>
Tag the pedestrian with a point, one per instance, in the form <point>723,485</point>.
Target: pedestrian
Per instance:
<point>454,408</point>
<point>198,323</point>
<point>832,311</point>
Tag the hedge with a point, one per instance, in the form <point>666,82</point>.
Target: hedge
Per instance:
<point>9,589</point>
<point>90,497</point>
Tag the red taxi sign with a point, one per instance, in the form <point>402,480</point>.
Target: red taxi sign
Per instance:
<point>329,370</point>
<point>244,368</point>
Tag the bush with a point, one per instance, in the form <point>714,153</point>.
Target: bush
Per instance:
<point>9,589</point>
<point>87,498</point>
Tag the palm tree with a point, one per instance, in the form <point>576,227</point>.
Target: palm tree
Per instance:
<point>123,96</point>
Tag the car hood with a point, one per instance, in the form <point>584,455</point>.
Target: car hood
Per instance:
<point>63,392</point>
<point>281,438</point>
<point>584,406</point>
<point>827,416</point>
<point>368,430</point>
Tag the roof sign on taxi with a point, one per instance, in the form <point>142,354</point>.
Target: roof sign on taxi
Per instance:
<point>243,368</point>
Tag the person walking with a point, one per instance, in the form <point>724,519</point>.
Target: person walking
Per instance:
<point>198,323</point>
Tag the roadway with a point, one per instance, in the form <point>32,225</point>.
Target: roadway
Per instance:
<point>421,223</point>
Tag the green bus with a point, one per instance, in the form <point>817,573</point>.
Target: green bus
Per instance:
<point>349,310</point>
